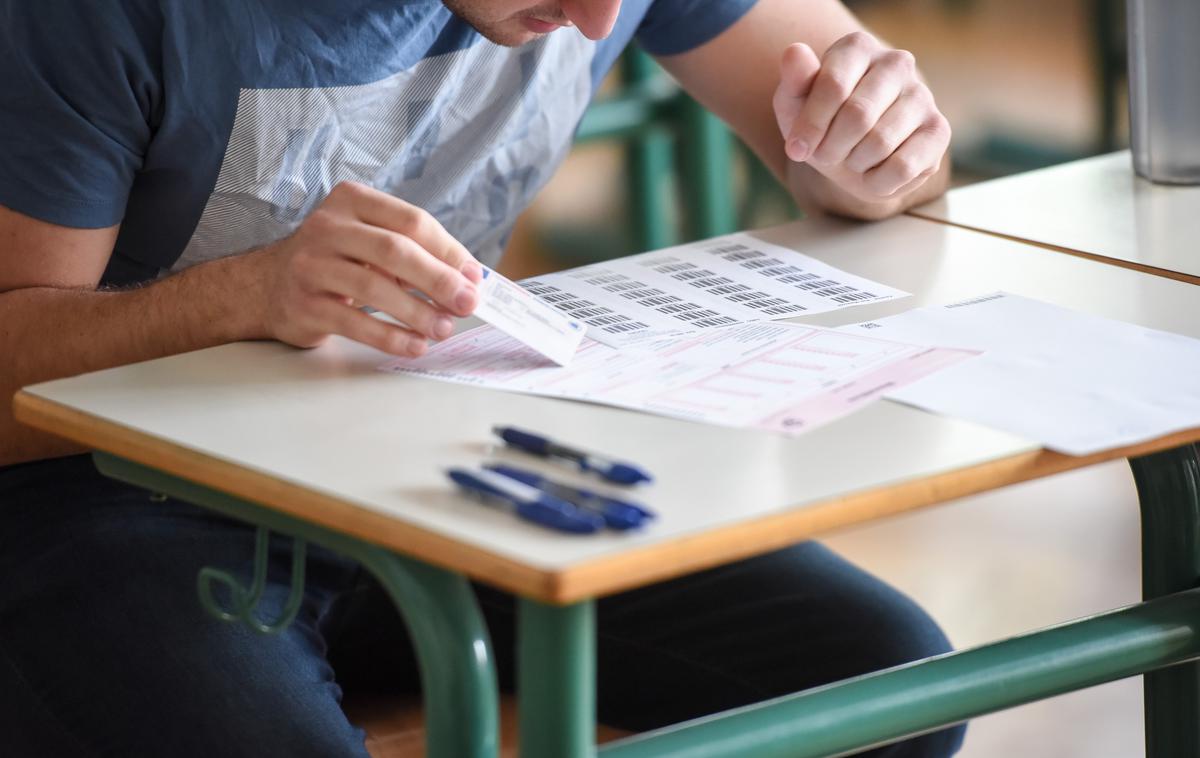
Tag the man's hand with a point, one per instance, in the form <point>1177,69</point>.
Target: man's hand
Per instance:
<point>861,117</point>
<point>361,246</point>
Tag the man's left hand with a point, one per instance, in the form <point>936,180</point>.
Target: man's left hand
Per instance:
<point>861,116</point>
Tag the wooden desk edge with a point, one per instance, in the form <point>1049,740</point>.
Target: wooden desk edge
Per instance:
<point>1120,262</point>
<point>595,578</point>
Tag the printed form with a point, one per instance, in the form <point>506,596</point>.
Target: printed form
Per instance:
<point>701,285</point>
<point>775,376</point>
<point>1073,382</point>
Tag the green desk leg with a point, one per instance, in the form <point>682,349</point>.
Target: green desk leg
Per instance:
<point>458,673</point>
<point>1168,485</point>
<point>556,679</point>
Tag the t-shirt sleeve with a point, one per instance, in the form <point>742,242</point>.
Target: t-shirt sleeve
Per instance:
<point>676,26</point>
<point>76,108</point>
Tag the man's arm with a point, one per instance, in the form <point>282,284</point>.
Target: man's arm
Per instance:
<point>846,123</point>
<point>360,246</point>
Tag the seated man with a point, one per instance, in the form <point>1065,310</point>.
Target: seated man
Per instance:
<point>176,175</point>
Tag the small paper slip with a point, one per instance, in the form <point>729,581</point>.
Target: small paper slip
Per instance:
<point>774,376</point>
<point>1073,382</point>
<point>524,317</point>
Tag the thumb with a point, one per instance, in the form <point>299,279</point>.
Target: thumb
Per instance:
<point>797,70</point>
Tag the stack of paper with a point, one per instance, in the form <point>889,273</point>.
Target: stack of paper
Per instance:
<point>1075,383</point>
<point>692,324</point>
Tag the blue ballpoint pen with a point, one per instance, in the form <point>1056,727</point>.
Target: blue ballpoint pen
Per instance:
<point>613,471</point>
<point>527,502</point>
<point>617,514</point>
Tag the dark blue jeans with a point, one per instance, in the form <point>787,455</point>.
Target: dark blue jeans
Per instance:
<point>104,649</point>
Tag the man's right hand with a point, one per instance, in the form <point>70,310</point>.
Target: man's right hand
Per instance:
<point>359,247</point>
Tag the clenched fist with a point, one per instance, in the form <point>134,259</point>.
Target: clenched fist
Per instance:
<point>860,116</point>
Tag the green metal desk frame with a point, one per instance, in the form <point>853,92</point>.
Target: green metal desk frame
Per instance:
<point>556,650</point>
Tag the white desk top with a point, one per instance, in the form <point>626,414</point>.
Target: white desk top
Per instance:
<point>1096,206</point>
<point>321,434</point>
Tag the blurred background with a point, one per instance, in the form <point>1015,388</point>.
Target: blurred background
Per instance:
<point>1025,83</point>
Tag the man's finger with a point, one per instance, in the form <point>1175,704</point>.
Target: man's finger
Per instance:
<point>918,157</point>
<point>395,215</point>
<point>913,184</point>
<point>797,69</point>
<point>896,125</point>
<point>336,318</point>
<point>401,257</point>
<point>842,68</point>
<point>367,286</point>
<point>876,92</point>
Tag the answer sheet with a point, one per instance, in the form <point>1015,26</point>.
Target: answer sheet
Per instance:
<point>701,285</point>
<point>776,376</point>
<point>1073,382</point>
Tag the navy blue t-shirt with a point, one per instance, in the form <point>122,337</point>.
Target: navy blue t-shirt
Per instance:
<point>211,127</point>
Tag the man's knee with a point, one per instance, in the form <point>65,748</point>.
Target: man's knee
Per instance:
<point>870,620</point>
<point>906,632</point>
<point>106,644</point>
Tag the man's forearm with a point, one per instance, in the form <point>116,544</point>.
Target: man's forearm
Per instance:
<point>48,333</point>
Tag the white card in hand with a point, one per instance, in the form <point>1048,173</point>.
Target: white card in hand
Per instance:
<point>512,310</point>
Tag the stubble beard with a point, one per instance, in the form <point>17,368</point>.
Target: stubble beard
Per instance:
<point>494,31</point>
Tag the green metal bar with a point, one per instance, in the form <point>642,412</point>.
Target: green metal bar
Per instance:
<point>650,167</point>
<point>707,167</point>
<point>641,106</point>
<point>458,672</point>
<point>458,676</point>
<point>920,697</point>
<point>1168,485</point>
<point>295,592</point>
<point>649,163</point>
<point>556,679</point>
<point>242,601</point>
<point>245,601</point>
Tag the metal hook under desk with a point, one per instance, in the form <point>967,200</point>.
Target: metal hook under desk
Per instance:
<point>244,601</point>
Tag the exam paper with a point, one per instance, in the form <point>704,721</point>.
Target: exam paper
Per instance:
<point>701,285</point>
<point>527,319</point>
<point>777,376</point>
<point>1075,383</point>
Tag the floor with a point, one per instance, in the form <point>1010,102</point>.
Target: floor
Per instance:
<point>1022,558</point>
<point>1034,554</point>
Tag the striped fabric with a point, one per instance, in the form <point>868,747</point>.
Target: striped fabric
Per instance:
<point>469,135</point>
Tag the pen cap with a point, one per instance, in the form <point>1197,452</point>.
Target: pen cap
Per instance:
<point>531,442</point>
<point>623,473</point>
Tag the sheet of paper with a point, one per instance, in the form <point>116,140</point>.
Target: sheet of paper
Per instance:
<point>702,285</point>
<point>517,313</point>
<point>777,376</point>
<point>1075,383</point>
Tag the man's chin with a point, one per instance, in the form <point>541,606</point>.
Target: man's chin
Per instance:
<point>509,38</point>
